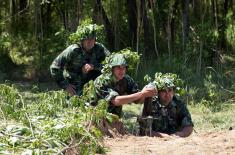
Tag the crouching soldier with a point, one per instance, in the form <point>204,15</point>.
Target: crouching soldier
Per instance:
<point>118,88</point>
<point>164,114</point>
<point>80,62</point>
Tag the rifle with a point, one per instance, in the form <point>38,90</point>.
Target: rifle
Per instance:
<point>146,118</point>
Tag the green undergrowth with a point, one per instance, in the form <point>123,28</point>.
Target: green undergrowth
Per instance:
<point>213,117</point>
<point>48,123</point>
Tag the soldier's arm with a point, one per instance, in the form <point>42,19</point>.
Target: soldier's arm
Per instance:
<point>186,121</point>
<point>103,90</point>
<point>124,99</point>
<point>57,68</point>
<point>185,132</point>
<point>133,87</point>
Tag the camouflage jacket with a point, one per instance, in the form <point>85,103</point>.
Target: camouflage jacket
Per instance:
<point>171,118</point>
<point>67,67</point>
<point>107,87</point>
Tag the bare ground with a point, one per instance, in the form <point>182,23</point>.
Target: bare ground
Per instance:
<point>221,143</point>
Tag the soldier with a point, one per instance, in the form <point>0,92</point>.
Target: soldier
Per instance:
<point>80,62</point>
<point>118,88</point>
<point>164,114</point>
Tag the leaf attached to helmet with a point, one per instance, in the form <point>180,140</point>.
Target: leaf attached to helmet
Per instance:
<point>87,31</point>
<point>125,57</point>
<point>167,80</point>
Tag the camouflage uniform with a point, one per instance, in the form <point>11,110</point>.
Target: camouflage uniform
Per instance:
<point>67,67</point>
<point>107,87</point>
<point>169,119</point>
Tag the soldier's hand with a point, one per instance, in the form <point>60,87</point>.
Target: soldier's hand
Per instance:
<point>71,89</point>
<point>149,92</point>
<point>87,67</point>
<point>161,135</point>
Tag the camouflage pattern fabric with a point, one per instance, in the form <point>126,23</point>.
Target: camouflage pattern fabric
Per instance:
<point>118,60</point>
<point>67,67</point>
<point>169,119</point>
<point>107,87</point>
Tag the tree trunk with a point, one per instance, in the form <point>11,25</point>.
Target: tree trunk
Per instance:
<point>23,4</point>
<point>215,12</point>
<point>197,9</point>
<point>153,6</point>
<point>116,26</point>
<point>46,17</point>
<point>132,20</point>
<point>107,25</point>
<point>172,24</point>
<point>223,44</point>
<point>13,11</point>
<point>39,35</point>
<point>73,14</point>
<point>148,41</point>
<point>185,21</point>
<point>23,16</point>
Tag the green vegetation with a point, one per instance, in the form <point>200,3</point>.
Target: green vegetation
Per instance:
<point>48,123</point>
<point>193,39</point>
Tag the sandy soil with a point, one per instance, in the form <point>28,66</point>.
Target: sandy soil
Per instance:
<point>221,143</point>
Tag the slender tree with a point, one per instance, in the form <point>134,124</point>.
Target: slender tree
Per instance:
<point>132,21</point>
<point>185,6</point>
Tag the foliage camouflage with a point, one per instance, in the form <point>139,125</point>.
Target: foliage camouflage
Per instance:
<point>132,59</point>
<point>86,31</point>
<point>49,123</point>
<point>168,80</point>
<point>118,60</point>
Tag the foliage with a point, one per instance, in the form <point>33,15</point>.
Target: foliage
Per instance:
<point>51,124</point>
<point>131,57</point>
<point>85,29</point>
<point>162,81</point>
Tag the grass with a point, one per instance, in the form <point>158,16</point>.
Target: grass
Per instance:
<point>205,118</point>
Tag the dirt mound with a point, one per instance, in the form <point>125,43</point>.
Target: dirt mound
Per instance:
<point>114,129</point>
<point>197,144</point>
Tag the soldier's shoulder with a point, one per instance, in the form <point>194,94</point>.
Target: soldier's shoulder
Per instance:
<point>102,79</point>
<point>179,102</point>
<point>99,45</point>
<point>76,47</point>
<point>129,79</point>
<point>73,48</point>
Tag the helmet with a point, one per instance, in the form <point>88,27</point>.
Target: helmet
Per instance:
<point>86,32</point>
<point>118,60</point>
<point>164,81</point>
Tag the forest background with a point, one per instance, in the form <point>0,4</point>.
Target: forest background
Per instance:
<point>194,39</point>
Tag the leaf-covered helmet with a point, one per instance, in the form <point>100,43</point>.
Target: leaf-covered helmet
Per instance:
<point>125,57</point>
<point>167,80</point>
<point>118,60</point>
<point>163,81</point>
<point>85,32</point>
